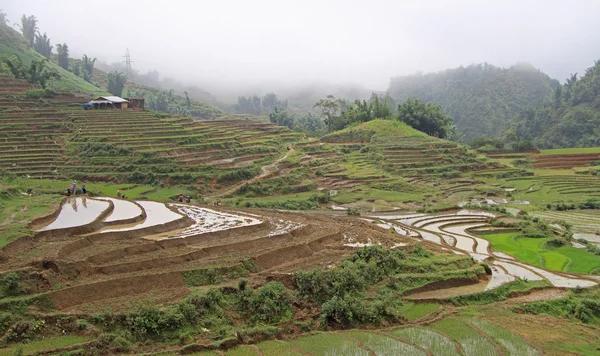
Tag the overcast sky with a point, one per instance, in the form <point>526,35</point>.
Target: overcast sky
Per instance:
<point>236,43</point>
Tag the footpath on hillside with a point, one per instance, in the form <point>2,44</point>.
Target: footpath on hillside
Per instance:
<point>265,171</point>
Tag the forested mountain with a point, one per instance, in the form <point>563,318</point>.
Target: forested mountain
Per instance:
<point>569,118</point>
<point>481,98</point>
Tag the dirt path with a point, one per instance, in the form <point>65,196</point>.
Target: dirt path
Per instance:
<point>539,295</point>
<point>266,170</point>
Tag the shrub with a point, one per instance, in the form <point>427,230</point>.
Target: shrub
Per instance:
<point>556,242</point>
<point>338,312</point>
<point>11,284</point>
<point>270,303</point>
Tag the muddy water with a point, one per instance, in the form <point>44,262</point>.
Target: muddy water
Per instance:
<point>431,237</point>
<point>560,281</point>
<point>397,217</point>
<point>156,214</point>
<point>482,244</point>
<point>499,277</point>
<point>123,210</point>
<point>425,223</point>
<point>77,211</point>
<point>208,220</point>
<point>519,271</point>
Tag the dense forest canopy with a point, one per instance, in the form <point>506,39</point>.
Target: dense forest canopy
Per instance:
<point>481,98</point>
<point>569,118</point>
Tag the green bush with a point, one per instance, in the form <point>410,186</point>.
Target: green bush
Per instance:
<point>11,284</point>
<point>270,303</point>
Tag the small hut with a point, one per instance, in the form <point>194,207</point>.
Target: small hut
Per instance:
<point>135,103</point>
<point>109,102</point>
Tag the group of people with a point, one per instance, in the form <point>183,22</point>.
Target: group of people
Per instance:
<point>72,189</point>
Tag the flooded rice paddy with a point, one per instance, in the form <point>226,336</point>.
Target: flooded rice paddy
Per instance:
<point>123,210</point>
<point>77,211</point>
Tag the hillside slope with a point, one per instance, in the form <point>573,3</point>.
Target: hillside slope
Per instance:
<point>371,164</point>
<point>13,43</point>
<point>570,119</point>
<point>480,98</point>
<point>163,100</point>
<point>54,138</point>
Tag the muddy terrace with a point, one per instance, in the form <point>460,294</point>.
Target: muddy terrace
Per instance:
<point>94,253</point>
<point>116,251</point>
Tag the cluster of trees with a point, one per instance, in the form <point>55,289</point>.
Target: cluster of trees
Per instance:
<point>425,117</point>
<point>169,102</point>
<point>42,44</point>
<point>570,117</point>
<point>116,83</point>
<point>255,105</point>
<point>37,72</point>
<point>480,98</point>
<point>508,142</point>
<point>306,122</point>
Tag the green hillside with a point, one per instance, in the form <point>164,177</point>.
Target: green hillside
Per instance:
<point>365,132</point>
<point>480,98</point>
<point>570,118</point>
<point>13,43</point>
<point>163,100</point>
<point>370,165</point>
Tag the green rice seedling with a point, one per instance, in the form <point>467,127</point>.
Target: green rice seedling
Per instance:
<point>384,345</point>
<point>413,311</point>
<point>510,343</point>
<point>48,343</point>
<point>329,344</point>
<point>241,351</point>
<point>472,342</point>
<point>277,348</point>
<point>436,343</point>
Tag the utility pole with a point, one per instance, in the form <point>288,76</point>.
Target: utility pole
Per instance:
<point>128,71</point>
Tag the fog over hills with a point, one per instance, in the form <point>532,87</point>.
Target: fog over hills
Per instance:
<point>237,46</point>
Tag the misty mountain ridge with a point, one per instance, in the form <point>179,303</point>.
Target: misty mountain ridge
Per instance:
<point>481,98</point>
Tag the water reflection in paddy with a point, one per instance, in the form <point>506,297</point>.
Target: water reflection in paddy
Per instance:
<point>77,211</point>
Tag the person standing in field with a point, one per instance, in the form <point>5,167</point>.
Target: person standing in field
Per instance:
<point>74,187</point>
<point>118,193</point>
<point>83,189</point>
<point>181,198</point>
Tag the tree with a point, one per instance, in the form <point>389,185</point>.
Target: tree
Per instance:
<point>3,19</point>
<point>249,105</point>
<point>116,82</point>
<point>88,67</point>
<point>188,102</point>
<point>29,28</point>
<point>282,117</point>
<point>161,101</point>
<point>427,118</point>
<point>332,109</point>
<point>36,73</point>
<point>62,51</point>
<point>42,45</point>
<point>270,101</point>
<point>76,69</point>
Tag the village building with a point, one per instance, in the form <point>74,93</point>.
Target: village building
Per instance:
<point>107,102</point>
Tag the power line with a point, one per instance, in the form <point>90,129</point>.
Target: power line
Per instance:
<point>128,61</point>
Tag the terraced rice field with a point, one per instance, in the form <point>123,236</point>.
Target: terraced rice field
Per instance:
<point>582,221</point>
<point>468,336</point>
<point>122,252</point>
<point>60,140</point>
<point>451,230</point>
<point>533,252</point>
<point>551,189</point>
